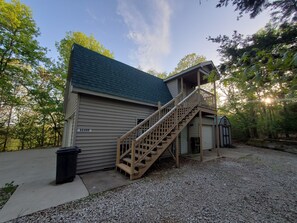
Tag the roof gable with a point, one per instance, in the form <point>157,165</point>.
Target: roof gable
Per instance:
<point>205,67</point>
<point>94,72</point>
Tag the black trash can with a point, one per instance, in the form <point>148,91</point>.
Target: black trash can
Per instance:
<point>66,164</point>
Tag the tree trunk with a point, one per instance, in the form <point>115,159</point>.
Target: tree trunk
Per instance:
<point>7,129</point>
<point>43,131</point>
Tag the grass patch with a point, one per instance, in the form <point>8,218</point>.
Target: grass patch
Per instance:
<point>6,192</point>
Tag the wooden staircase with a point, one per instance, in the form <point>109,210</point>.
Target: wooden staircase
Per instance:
<point>139,148</point>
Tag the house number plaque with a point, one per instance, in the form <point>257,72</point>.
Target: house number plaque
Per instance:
<point>84,130</point>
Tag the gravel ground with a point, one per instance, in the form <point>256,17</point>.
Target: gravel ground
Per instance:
<point>257,188</point>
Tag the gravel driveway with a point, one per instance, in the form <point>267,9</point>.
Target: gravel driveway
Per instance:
<point>257,188</point>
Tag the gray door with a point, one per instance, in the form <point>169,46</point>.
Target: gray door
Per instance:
<point>207,137</point>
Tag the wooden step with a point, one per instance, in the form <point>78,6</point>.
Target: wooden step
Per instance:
<point>126,168</point>
<point>139,165</point>
<point>147,145</point>
<point>144,151</point>
<point>145,158</point>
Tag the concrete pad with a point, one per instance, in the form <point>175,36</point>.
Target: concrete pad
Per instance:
<point>35,173</point>
<point>27,165</point>
<point>100,181</point>
<point>39,195</point>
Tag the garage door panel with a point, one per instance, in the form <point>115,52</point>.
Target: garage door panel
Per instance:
<point>207,137</point>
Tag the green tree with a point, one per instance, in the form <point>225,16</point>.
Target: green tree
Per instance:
<point>47,101</point>
<point>260,66</point>
<point>187,62</point>
<point>282,10</point>
<point>26,130</point>
<point>161,75</point>
<point>18,34</point>
<point>19,54</point>
<point>65,45</point>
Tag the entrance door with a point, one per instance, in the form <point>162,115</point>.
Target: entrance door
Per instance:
<point>226,136</point>
<point>207,137</point>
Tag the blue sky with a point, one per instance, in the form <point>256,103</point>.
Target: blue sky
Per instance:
<point>147,33</point>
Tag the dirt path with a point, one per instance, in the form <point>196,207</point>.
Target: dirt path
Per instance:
<point>261,187</point>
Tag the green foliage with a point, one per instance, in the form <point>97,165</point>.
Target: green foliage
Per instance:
<point>6,192</point>
<point>19,49</point>
<point>65,45</point>
<point>282,10</point>
<point>161,75</point>
<point>258,67</point>
<point>288,118</point>
<point>26,130</point>
<point>18,32</point>
<point>188,61</point>
<point>31,86</point>
<point>9,187</point>
<point>20,54</point>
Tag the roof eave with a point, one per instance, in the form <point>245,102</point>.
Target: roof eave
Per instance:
<point>83,91</point>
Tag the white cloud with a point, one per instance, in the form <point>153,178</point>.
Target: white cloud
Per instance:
<point>92,15</point>
<point>150,32</point>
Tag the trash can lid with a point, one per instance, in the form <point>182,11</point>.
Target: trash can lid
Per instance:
<point>70,149</point>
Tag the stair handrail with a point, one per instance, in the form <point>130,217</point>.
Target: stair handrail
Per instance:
<point>206,95</point>
<point>149,117</point>
<point>164,117</point>
<point>127,142</point>
<point>156,125</point>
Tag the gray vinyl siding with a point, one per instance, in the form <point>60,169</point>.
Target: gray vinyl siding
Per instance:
<point>184,141</point>
<point>108,119</point>
<point>193,127</point>
<point>187,88</point>
<point>173,87</point>
<point>73,129</point>
<point>71,104</point>
<point>70,112</point>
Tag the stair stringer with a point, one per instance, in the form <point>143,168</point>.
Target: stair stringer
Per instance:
<point>166,143</point>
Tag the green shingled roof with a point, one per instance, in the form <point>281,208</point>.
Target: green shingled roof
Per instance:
<point>92,71</point>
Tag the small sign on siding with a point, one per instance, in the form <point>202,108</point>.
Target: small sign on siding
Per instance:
<point>84,130</point>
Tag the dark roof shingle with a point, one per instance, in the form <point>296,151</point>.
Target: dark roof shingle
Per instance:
<point>92,71</point>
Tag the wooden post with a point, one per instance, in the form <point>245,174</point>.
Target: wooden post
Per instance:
<point>159,109</point>
<point>176,111</point>
<point>215,95</point>
<point>182,87</point>
<point>132,159</point>
<point>200,135</point>
<point>216,119</point>
<point>198,78</point>
<point>118,151</point>
<point>217,136</point>
<point>177,149</point>
<point>198,84</point>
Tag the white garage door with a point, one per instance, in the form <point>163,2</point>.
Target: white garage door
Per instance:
<point>207,137</point>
